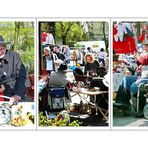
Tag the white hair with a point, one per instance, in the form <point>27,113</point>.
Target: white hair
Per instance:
<point>47,48</point>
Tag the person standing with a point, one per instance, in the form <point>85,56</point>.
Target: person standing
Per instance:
<point>50,38</point>
<point>102,56</point>
<point>66,52</point>
<point>49,59</point>
<point>44,39</point>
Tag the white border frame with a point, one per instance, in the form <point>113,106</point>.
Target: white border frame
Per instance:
<point>66,19</point>
<point>33,128</point>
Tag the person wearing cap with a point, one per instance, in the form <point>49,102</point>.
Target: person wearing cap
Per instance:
<point>12,70</point>
<point>58,78</point>
<point>49,59</point>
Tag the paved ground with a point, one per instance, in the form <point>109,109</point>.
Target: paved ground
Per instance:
<point>129,121</point>
<point>88,120</point>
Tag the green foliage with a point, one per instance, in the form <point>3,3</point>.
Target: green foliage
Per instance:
<point>66,32</point>
<point>44,27</point>
<point>58,121</point>
<point>77,45</point>
<point>72,32</point>
<point>21,36</point>
<point>95,46</point>
<point>43,120</point>
<point>28,60</point>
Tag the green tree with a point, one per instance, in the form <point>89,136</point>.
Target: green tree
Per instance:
<point>69,32</point>
<point>20,36</point>
<point>16,33</point>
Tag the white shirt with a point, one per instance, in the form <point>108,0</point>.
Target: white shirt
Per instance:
<point>49,64</point>
<point>50,39</point>
<point>102,55</point>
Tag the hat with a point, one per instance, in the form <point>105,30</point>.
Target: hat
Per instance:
<point>63,67</point>
<point>2,42</point>
<point>47,48</point>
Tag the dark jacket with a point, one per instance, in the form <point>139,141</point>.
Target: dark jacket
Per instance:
<point>91,68</point>
<point>53,58</point>
<point>60,56</point>
<point>13,70</point>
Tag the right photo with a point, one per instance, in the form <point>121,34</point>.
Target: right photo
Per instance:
<point>130,73</point>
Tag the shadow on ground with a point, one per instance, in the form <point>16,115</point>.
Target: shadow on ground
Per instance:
<point>90,120</point>
<point>121,119</point>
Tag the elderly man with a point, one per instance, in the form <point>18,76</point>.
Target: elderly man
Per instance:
<point>49,59</point>
<point>12,73</point>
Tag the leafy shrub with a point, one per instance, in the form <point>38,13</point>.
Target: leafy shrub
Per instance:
<point>58,121</point>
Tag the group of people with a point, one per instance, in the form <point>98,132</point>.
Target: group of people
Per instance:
<point>54,58</point>
<point>57,61</point>
<point>130,85</point>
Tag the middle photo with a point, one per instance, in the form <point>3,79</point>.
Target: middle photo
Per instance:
<point>73,73</point>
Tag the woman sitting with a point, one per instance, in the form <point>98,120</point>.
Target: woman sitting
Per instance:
<point>92,68</point>
<point>91,65</point>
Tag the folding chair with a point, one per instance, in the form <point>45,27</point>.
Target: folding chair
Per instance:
<point>57,98</point>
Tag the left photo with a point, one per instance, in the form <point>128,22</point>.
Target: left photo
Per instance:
<point>17,107</point>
